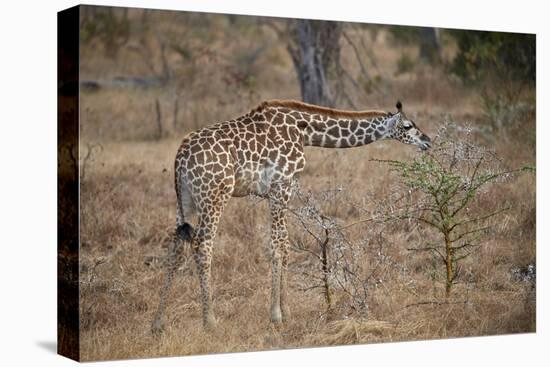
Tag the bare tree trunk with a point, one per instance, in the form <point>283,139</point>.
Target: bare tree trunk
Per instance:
<point>159,119</point>
<point>430,45</point>
<point>175,93</point>
<point>145,17</point>
<point>448,266</point>
<point>314,48</point>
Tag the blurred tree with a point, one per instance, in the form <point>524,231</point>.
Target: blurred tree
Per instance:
<point>501,65</point>
<point>430,46</point>
<point>314,47</point>
<point>109,25</point>
<point>315,50</point>
<point>427,39</point>
<point>483,55</point>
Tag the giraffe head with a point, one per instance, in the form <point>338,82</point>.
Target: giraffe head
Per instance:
<point>404,130</point>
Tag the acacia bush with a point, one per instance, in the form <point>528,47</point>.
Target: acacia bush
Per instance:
<point>439,190</point>
<point>332,257</point>
<point>330,252</point>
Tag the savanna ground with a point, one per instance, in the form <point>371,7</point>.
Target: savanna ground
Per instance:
<point>128,201</point>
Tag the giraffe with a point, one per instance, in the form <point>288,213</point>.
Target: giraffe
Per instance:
<point>261,153</point>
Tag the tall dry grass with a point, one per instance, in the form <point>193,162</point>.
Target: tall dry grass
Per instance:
<point>128,210</point>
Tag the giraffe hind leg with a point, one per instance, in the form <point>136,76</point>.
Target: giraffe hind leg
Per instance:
<point>173,261</point>
<point>183,234</point>
<point>202,244</point>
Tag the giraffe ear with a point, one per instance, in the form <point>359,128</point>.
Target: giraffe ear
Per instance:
<point>399,106</point>
<point>392,121</point>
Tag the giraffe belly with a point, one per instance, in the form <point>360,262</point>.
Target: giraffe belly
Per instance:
<point>256,179</point>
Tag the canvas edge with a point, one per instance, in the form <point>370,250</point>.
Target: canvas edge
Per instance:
<point>68,320</point>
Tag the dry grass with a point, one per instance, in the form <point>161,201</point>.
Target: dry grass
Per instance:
<point>128,209</point>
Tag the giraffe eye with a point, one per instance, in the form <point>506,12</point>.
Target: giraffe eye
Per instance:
<point>407,126</point>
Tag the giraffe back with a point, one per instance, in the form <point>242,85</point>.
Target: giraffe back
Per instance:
<point>248,154</point>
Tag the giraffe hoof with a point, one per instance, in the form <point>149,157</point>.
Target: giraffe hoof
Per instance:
<point>157,328</point>
<point>276,316</point>
<point>286,313</point>
<point>210,323</point>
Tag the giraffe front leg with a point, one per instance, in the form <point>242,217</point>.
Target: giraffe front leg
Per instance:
<point>279,253</point>
<point>276,271</point>
<point>284,281</point>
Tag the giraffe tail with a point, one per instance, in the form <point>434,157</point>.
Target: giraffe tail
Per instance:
<point>185,232</point>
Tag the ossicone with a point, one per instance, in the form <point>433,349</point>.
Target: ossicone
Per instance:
<point>399,106</point>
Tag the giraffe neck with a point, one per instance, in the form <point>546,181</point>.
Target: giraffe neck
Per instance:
<point>345,132</point>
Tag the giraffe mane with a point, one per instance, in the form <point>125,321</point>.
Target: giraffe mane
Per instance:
<point>311,108</point>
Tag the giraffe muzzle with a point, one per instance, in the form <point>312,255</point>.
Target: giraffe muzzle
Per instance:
<point>425,142</point>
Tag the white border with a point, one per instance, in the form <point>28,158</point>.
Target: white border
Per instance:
<point>28,181</point>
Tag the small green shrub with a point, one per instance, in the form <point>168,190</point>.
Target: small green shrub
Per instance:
<point>439,190</point>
